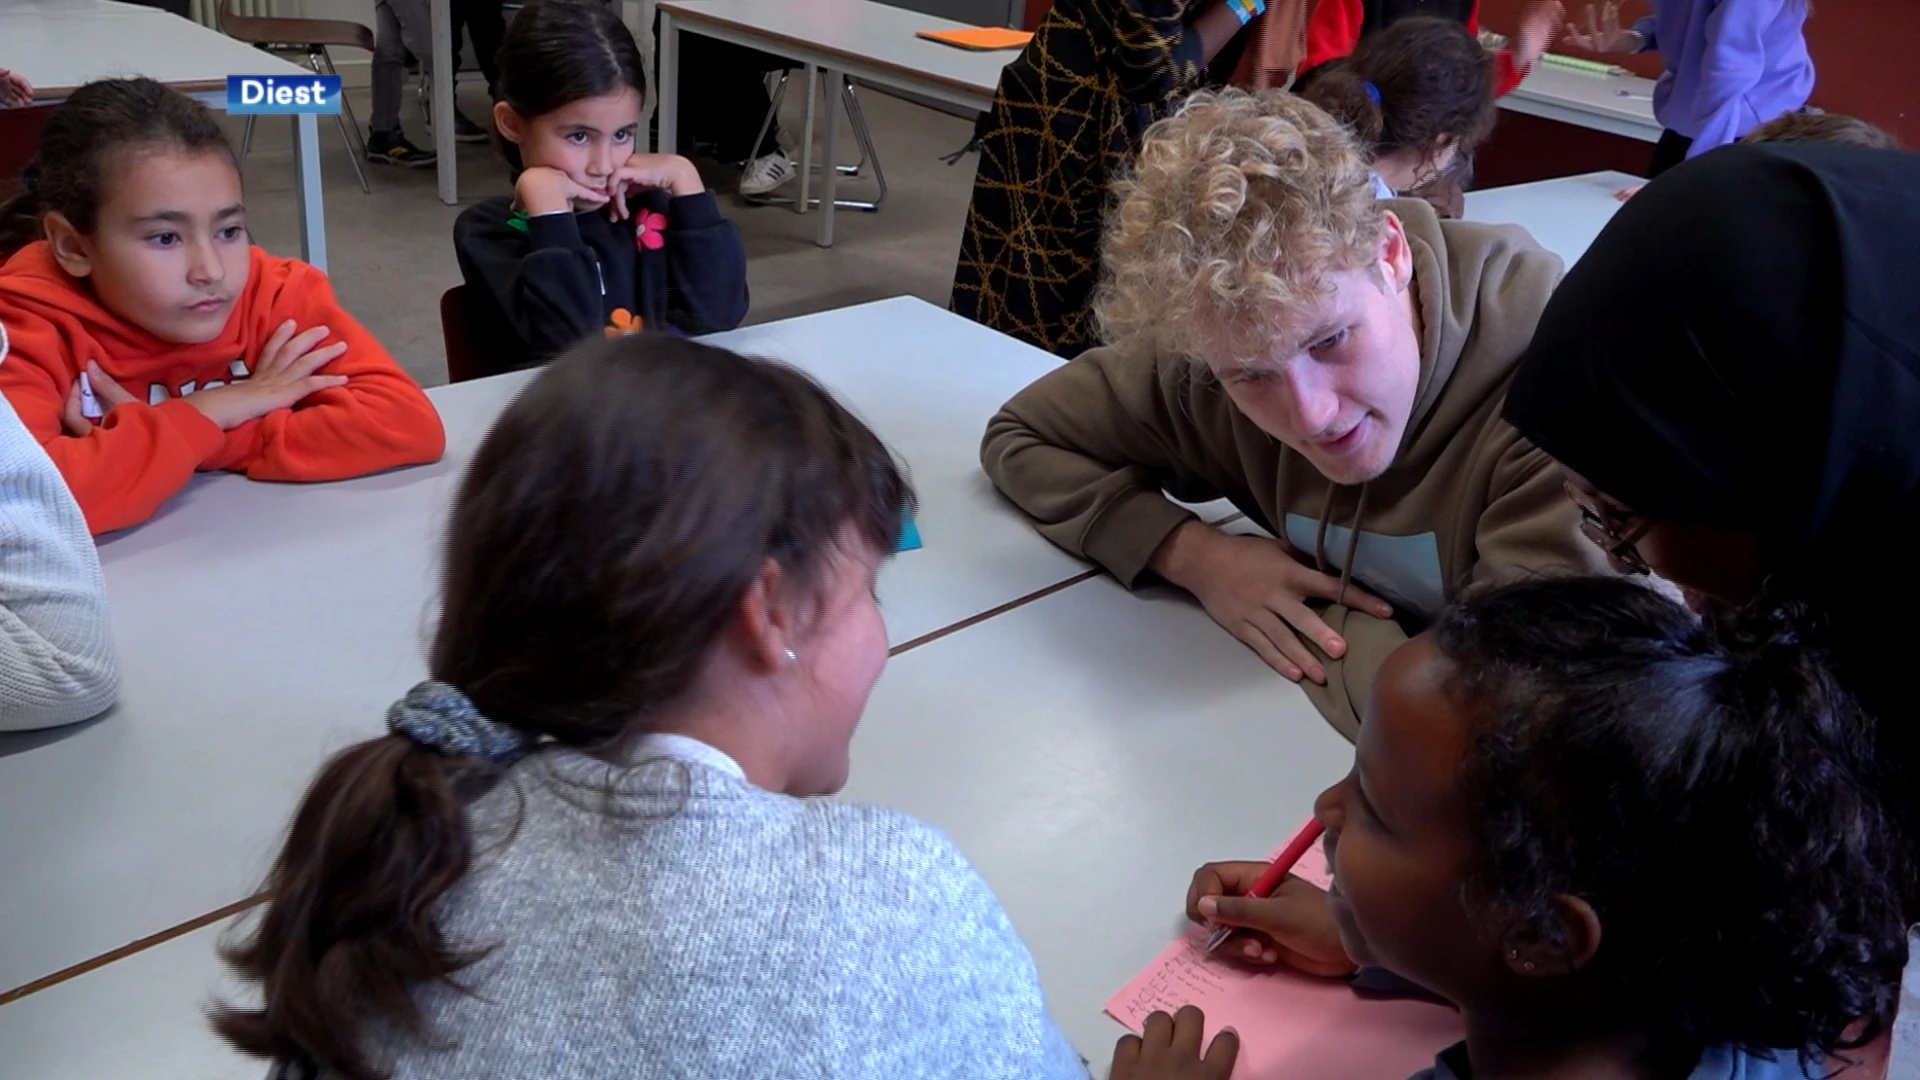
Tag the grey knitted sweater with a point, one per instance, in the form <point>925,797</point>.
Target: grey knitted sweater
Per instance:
<point>56,646</point>
<point>672,920</point>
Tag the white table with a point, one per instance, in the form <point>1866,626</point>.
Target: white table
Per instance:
<point>1617,104</point>
<point>59,46</point>
<point>158,1029</point>
<point>1564,213</point>
<point>869,41</point>
<point>1086,752</point>
<point>262,626</point>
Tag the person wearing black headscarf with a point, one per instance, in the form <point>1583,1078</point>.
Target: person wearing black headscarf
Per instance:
<point>1731,375</point>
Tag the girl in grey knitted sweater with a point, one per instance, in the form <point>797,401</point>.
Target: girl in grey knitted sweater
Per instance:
<point>57,663</point>
<point>586,848</point>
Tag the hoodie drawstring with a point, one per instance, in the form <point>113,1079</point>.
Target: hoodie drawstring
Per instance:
<point>1353,543</point>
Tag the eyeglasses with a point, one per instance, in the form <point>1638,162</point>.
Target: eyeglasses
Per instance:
<point>1613,536</point>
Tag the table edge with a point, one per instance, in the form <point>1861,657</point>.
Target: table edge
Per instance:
<point>691,15</point>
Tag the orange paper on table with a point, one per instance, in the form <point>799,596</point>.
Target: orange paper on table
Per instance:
<point>979,38</point>
<point>1291,1026</point>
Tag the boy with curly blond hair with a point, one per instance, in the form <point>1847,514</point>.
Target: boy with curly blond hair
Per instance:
<point>1331,363</point>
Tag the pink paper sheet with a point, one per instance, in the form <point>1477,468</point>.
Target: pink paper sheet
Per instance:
<point>1291,1026</point>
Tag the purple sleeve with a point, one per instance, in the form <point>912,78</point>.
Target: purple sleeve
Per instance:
<point>1644,27</point>
<point>1732,62</point>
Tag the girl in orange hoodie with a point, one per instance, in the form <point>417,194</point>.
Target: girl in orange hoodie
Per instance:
<point>151,339</point>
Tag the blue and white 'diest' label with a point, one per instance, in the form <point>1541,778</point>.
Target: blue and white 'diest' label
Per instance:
<point>283,95</point>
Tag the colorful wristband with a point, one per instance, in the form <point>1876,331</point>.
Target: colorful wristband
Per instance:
<point>1241,10</point>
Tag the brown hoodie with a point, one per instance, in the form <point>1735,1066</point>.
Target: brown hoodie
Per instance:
<point>1088,450</point>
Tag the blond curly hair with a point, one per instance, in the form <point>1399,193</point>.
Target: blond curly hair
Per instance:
<point>1238,209</point>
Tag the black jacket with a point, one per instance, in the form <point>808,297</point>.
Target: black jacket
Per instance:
<point>538,285</point>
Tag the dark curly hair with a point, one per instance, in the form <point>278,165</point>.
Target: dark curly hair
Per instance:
<point>1708,789</point>
<point>89,134</point>
<point>1432,81</point>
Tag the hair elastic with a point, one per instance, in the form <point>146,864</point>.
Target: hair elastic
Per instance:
<point>438,716</point>
<point>1373,92</point>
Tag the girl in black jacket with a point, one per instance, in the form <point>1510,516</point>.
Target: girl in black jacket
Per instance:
<point>597,238</point>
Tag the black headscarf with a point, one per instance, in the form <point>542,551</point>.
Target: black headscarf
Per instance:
<point>1741,347</point>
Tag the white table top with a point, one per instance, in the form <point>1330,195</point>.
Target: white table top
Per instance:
<point>261,626</point>
<point>59,46</point>
<point>1564,214</point>
<point>1619,103</point>
<point>1096,759</point>
<point>1088,752</point>
<point>157,1028</point>
<point>61,9</point>
<point>879,35</point>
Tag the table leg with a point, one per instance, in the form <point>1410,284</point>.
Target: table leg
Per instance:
<point>442,75</point>
<point>638,15</point>
<point>669,122</point>
<point>306,188</point>
<point>806,140</point>
<point>830,91</point>
<point>634,14</point>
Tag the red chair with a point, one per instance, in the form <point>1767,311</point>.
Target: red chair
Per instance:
<point>20,136</point>
<point>462,364</point>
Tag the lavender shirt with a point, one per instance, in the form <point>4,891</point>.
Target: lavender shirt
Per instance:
<point>1732,65</point>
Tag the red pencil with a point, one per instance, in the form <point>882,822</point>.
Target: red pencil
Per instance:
<point>1275,873</point>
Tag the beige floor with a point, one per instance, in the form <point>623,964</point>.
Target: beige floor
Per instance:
<point>391,252</point>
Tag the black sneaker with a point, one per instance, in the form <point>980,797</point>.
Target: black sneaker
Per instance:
<point>465,130</point>
<point>392,148</point>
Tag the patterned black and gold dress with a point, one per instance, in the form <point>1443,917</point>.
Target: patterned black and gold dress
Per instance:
<point>1067,118</point>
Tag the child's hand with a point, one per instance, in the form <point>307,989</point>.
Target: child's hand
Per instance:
<point>653,172</point>
<point>1169,1049</point>
<point>1602,33</point>
<point>546,190</point>
<point>15,91</point>
<point>283,377</point>
<point>1538,24</point>
<point>105,391</point>
<point>1293,926</point>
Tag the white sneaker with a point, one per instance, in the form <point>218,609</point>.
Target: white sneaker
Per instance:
<point>766,174</point>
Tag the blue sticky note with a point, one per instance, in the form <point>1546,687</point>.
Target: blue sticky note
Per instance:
<point>909,537</point>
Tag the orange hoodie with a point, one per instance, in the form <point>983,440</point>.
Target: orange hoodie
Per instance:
<point>139,454</point>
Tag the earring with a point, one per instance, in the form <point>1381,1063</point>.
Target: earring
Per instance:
<point>1513,954</point>
<point>1528,966</point>
<point>790,657</point>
